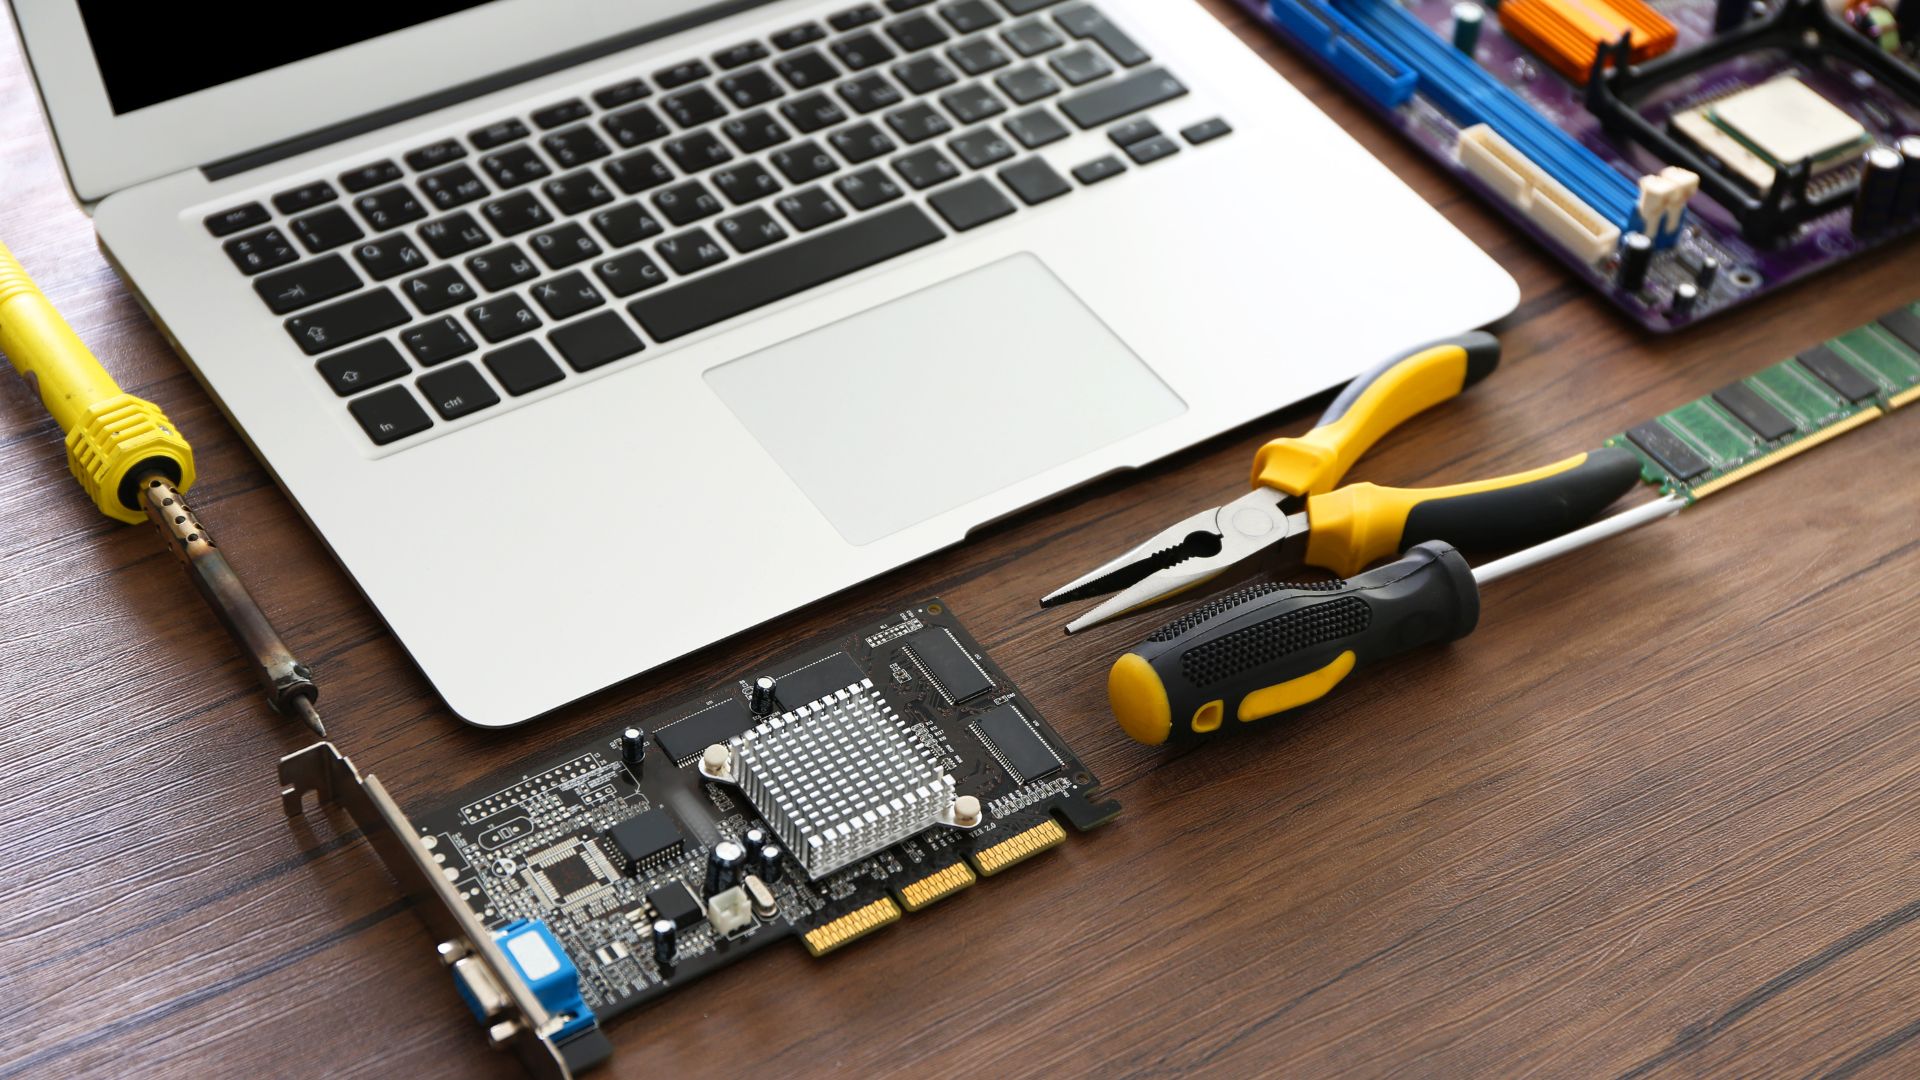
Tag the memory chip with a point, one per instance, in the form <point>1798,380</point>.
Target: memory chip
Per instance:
<point>1902,323</point>
<point>816,680</point>
<point>645,840</point>
<point>1845,379</point>
<point>1667,450</point>
<point>1748,407</point>
<point>941,659</point>
<point>684,739</point>
<point>1016,745</point>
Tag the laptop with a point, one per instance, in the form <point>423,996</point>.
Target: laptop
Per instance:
<point>588,333</point>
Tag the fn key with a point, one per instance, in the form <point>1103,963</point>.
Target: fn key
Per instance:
<point>389,415</point>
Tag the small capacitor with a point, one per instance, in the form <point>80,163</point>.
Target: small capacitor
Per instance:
<point>1873,200</point>
<point>1729,14</point>
<point>1467,17</point>
<point>1906,201</point>
<point>666,941</point>
<point>633,748</point>
<point>753,840</point>
<point>724,864</point>
<point>763,702</point>
<point>769,864</point>
<point>1636,255</point>
<point>1685,295</point>
<point>1704,277</point>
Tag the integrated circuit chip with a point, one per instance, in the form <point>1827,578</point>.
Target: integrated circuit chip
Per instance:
<point>1747,406</point>
<point>1019,749</point>
<point>942,660</point>
<point>1777,125</point>
<point>685,738</point>
<point>646,840</point>
<point>1843,377</point>
<point>816,680</point>
<point>569,871</point>
<point>675,903</point>
<point>1668,450</point>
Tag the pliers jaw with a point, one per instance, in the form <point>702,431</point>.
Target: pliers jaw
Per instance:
<point>1183,555</point>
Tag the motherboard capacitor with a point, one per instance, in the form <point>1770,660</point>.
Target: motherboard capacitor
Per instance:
<point>1636,256</point>
<point>1684,296</point>
<point>763,701</point>
<point>1709,270</point>
<point>1467,17</point>
<point>633,748</point>
<point>1873,200</point>
<point>769,864</point>
<point>1728,14</point>
<point>753,840</point>
<point>666,941</point>
<point>724,865</point>
<point>1906,201</point>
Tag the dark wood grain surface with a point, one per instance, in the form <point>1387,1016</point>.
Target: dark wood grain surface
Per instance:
<point>1660,816</point>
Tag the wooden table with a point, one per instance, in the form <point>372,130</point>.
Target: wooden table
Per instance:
<point>1660,815</point>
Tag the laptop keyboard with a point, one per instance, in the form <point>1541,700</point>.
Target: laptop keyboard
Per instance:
<point>541,247</point>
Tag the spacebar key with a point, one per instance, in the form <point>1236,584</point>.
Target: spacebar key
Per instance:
<point>1105,104</point>
<point>796,268</point>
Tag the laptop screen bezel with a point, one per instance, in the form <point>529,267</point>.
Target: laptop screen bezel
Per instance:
<point>103,152</point>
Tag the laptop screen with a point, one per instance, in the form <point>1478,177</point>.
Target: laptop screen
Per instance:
<point>154,52</point>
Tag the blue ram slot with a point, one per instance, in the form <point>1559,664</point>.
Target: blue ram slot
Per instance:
<point>1465,92</point>
<point>1346,48</point>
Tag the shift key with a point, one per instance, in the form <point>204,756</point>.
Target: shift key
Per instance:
<point>1105,104</point>
<point>349,320</point>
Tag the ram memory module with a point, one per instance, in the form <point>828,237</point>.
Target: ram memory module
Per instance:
<point>1784,410</point>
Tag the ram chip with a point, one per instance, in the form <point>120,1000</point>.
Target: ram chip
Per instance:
<point>1016,745</point>
<point>685,738</point>
<point>1747,406</point>
<point>1845,379</point>
<point>646,840</point>
<point>1668,450</point>
<point>816,680</point>
<point>942,660</point>
<point>1903,324</point>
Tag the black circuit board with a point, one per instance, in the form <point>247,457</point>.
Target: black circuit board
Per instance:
<point>534,843</point>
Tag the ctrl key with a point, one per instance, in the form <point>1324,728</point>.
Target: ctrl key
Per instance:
<point>457,391</point>
<point>390,415</point>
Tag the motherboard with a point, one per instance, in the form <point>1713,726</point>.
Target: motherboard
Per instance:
<point>1681,156</point>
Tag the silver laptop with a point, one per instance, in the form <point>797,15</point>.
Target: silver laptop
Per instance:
<point>590,333</point>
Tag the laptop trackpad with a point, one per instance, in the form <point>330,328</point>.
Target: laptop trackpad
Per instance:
<point>892,416</point>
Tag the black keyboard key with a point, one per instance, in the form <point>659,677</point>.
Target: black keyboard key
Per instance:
<point>590,343</point>
<point>740,55</point>
<point>972,103</point>
<point>1031,38</point>
<point>924,75</point>
<point>1085,22</point>
<point>754,132</point>
<point>498,134</point>
<point>457,391</point>
<point>792,268</point>
<point>861,142</point>
<point>500,267</point>
<point>523,367</point>
<point>562,247</point>
<point>228,222</point>
<point>1128,132</point>
<point>686,202</point>
<point>870,93</point>
<point>434,155</point>
<point>261,251</point>
<point>455,234</point>
<point>918,123</point>
<point>362,367</point>
<point>681,74</point>
<point>862,51</point>
<point>977,57</point>
<point>981,147</point>
<point>577,192</point>
<point>390,415</point>
<point>1035,128</point>
<point>793,38</point>
<point>621,93</point>
<point>972,204</point>
<point>346,321</point>
<point>1026,7</point>
<point>804,70</point>
<point>564,113</point>
<point>514,166</point>
<point>810,208</point>
<point>967,16</point>
<point>436,342</point>
<point>1100,168</point>
<point>867,189</point>
<point>1844,378</point>
<point>1026,84</point>
<point>325,229</point>
<point>750,230</point>
<point>1206,131</point>
<point>693,107</point>
<point>1152,149</point>
<point>691,251</point>
<point>638,171</point>
<point>624,275</point>
<point>389,256</point>
<point>389,208</point>
<point>745,182</point>
<point>574,146</point>
<point>635,126</point>
<point>1110,101</point>
<point>454,186</point>
<point>1081,65</point>
<point>924,168</point>
<point>502,317</point>
<point>897,6</point>
<point>304,197</point>
<point>812,112</point>
<point>628,223</point>
<point>916,32</point>
<point>749,88</point>
<point>1034,181</point>
<point>306,283</point>
<point>437,290</point>
<point>698,151</point>
<point>567,295</point>
<point>803,162</point>
<point>854,16</point>
<point>515,214</point>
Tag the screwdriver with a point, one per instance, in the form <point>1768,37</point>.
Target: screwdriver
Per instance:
<point>1263,650</point>
<point>136,466</point>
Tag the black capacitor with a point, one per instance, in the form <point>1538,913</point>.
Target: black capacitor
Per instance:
<point>1704,277</point>
<point>769,863</point>
<point>753,840</point>
<point>1906,201</point>
<point>666,941</point>
<point>1728,14</point>
<point>1684,296</point>
<point>724,864</point>
<point>633,748</point>
<point>1879,186</point>
<point>764,701</point>
<point>1636,255</point>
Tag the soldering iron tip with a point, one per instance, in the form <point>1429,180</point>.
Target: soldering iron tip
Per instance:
<point>310,716</point>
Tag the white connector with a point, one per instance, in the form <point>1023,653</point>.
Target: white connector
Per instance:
<point>1663,198</point>
<point>1545,201</point>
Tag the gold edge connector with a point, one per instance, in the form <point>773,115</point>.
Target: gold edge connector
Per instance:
<point>1026,845</point>
<point>1905,397</point>
<point>1788,451</point>
<point>937,886</point>
<point>858,923</point>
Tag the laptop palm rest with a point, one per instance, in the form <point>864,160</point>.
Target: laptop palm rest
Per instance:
<point>1019,372</point>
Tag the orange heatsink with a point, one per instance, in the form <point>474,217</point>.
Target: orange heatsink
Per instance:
<point>1568,33</point>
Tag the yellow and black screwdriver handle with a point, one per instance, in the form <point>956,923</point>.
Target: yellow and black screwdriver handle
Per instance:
<point>1269,648</point>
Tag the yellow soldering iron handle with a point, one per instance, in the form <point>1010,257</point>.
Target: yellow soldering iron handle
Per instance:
<point>113,438</point>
